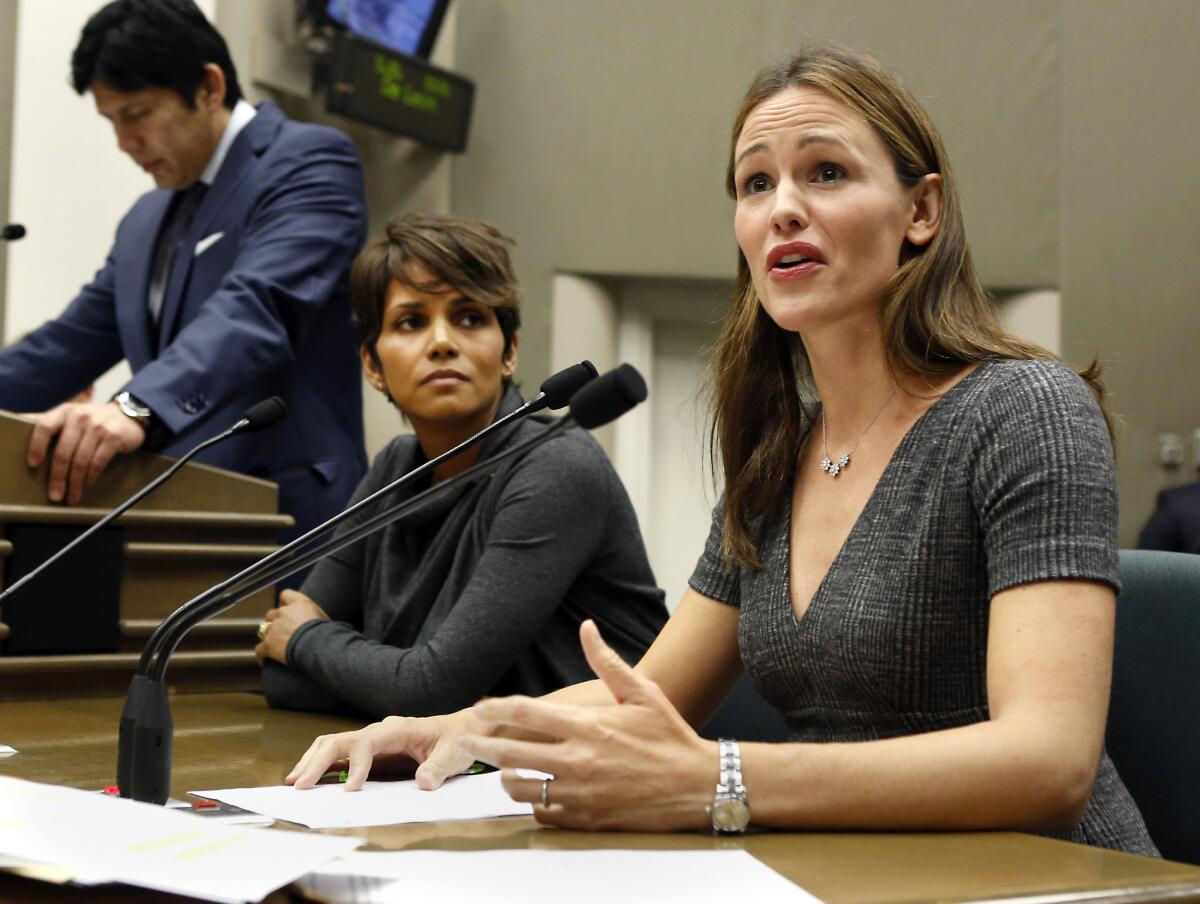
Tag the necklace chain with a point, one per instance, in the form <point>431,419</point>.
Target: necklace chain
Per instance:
<point>833,468</point>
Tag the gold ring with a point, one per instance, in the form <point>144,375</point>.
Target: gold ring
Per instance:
<point>546,791</point>
<point>262,629</point>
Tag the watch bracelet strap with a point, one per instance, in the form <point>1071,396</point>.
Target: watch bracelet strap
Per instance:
<point>729,780</point>
<point>730,792</point>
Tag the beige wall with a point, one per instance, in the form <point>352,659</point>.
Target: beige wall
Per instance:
<point>601,125</point>
<point>1130,201</point>
<point>8,62</point>
<point>601,129</point>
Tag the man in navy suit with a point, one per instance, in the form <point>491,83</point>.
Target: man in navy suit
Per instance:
<point>226,285</point>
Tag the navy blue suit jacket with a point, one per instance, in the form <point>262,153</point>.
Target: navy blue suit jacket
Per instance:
<point>257,305</point>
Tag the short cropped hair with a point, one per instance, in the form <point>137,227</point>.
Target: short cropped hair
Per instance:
<point>134,44</point>
<point>467,255</point>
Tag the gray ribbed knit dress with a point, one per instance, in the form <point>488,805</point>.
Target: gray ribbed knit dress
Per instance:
<point>1009,478</point>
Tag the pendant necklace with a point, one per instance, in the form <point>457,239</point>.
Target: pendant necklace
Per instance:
<point>833,468</point>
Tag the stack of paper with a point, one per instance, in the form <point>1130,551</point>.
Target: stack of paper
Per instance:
<point>378,803</point>
<point>101,839</point>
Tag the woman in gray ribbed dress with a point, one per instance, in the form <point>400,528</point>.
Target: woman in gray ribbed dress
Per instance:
<point>918,570</point>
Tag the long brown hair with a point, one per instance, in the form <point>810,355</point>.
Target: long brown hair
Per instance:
<point>936,316</point>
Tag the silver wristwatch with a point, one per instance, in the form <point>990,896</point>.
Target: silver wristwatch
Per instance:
<point>730,809</point>
<point>132,408</point>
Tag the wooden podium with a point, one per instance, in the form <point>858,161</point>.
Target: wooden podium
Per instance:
<point>77,629</point>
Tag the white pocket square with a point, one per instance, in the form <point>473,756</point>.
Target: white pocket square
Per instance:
<point>207,242</point>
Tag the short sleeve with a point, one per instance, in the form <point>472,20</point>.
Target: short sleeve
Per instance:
<point>1044,479</point>
<point>713,577</point>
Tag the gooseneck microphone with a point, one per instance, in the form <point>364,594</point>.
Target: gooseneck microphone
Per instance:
<point>257,417</point>
<point>559,389</point>
<point>554,393</point>
<point>144,747</point>
<point>608,397</point>
<point>13,231</point>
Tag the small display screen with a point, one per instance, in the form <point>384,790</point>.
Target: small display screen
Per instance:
<point>405,26</point>
<point>400,93</point>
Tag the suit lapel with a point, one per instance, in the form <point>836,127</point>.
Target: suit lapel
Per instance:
<point>237,165</point>
<point>135,264</point>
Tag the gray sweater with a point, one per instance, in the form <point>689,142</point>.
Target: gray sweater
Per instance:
<point>481,593</point>
<point>1007,479</point>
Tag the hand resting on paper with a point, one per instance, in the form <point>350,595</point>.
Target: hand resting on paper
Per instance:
<point>633,765</point>
<point>431,742</point>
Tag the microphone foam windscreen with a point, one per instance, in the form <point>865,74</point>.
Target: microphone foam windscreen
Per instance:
<point>563,385</point>
<point>265,413</point>
<point>608,397</point>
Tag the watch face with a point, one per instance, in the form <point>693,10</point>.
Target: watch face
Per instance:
<point>131,407</point>
<point>730,815</point>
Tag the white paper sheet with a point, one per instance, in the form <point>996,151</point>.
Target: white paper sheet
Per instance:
<point>378,803</point>
<point>552,877</point>
<point>106,839</point>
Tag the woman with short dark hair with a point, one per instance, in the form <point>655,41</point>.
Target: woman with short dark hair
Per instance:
<point>482,592</point>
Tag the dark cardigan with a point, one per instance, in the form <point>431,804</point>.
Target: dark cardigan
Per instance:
<point>481,593</point>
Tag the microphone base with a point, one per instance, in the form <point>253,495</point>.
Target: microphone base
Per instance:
<point>144,746</point>
<point>134,703</point>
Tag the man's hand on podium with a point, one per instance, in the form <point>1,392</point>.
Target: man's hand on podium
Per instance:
<point>89,435</point>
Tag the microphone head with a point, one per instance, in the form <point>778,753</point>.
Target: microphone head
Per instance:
<point>14,231</point>
<point>608,397</point>
<point>560,388</point>
<point>265,413</point>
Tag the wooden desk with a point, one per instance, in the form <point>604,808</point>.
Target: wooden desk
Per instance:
<point>229,740</point>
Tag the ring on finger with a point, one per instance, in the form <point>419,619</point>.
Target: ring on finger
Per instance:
<point>262,629</point>
<point>546,791</point>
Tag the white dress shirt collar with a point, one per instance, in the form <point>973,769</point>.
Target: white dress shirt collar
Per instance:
<point>239,118</point>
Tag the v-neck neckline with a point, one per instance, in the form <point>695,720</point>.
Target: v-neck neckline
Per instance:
<point>871,503</point>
